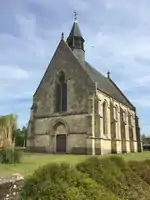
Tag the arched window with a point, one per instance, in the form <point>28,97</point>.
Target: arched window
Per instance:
<point>116,113</point>
<point>61,93</point>
<point>124,116</point>
<point>117,121</point>
<point>105,117</point>
<point>130,119</point>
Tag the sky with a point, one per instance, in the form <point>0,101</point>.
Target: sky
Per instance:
<point>117,38</point>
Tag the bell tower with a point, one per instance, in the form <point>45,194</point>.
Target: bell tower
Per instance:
<point>75,40</point>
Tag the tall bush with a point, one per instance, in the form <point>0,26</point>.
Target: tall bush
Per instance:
<point>9,156</point>
<point>62,182</point>
<point>8,124</point>
<point>142,169</point>
<point>117,176</point>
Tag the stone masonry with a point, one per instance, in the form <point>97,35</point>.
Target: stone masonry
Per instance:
<point>10,187</point>
<point>98,118</point>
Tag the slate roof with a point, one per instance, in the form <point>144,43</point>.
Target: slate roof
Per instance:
<point>75,31</point>
<point>106,85</point>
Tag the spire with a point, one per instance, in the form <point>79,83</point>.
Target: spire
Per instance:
<point>75,39</point>
<point>75,31</point>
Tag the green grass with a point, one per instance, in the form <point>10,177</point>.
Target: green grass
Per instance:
<point>31,161</point>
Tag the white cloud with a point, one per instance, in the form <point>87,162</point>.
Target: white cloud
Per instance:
<point>12,73</point>
<point>142,101</point>
<point>80,5</point>
<point>118,30</point>
<point>118,54</point>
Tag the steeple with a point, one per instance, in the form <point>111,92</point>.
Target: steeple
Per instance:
<point>75,40</point>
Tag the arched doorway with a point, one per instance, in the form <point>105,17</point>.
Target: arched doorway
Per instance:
<point>60,138</point>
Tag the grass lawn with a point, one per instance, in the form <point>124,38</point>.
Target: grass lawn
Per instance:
<point>31,161</point>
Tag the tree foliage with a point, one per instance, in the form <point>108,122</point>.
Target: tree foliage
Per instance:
<point>8,127</point>
<point>8,124</point>
<point>63,182</point>
<point>20,135</point>
<point>145,139</point>
<point>9,156</point>
<point>117,176</point>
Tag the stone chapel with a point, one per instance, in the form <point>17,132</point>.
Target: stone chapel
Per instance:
<point>77,110</point>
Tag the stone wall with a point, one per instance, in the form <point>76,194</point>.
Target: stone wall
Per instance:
<point>78,84</point>
<point>120,130</point>
<point>10,187</point>
<point>74,126</point>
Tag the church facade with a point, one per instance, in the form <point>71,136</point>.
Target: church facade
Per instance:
<point>78,110</point>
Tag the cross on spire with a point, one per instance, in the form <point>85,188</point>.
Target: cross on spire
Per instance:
<point>108,74</point>
<point>62,35</point>
<point>75,16</point>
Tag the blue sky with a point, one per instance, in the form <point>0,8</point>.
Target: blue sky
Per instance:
<point>117,38</point>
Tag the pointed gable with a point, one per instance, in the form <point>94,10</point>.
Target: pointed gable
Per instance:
<point>63,54</point>
<point>59,47</point>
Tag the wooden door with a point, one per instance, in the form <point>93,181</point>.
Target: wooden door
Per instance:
<point>61,143</point>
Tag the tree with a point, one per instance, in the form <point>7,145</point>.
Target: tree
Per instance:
<point>8,124</point>
<point>145,139</point>
<point>21,136</point>
<point>25,131</point>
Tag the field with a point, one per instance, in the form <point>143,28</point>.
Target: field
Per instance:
<point>31,161</point>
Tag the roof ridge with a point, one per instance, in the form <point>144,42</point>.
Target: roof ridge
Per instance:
<point>107,86</point>
<point>95,69</point>
<point>121,92</point>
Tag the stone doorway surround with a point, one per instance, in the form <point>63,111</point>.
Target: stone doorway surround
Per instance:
<point>60,136</point>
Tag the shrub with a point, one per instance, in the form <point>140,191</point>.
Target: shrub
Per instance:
<point>142,169</point>
<point>136,185</point>
<point>117,176</point>
<point>9,156</point>
<point>62,182</point>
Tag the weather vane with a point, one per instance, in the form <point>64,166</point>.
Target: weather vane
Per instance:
<point>75,15</point>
